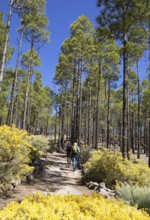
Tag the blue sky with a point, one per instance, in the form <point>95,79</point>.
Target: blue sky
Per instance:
<point>61,14</point>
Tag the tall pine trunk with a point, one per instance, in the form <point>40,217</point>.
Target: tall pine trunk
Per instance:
<point>26,100</point>
<point>24,124</point>
<point>125,103</point>
<point>108,114</point>
<point>97,109</point>
<point>138,116</point>
<point>77,91</point>
<point>132,130</point>
<point>6,43</point>
<point>55,129</point>
<point>128,116</point>
<point>10,116</point>
<point>73,107</point>
<point>80,107</point>
<point>89,142</point>
<point>63,117</point>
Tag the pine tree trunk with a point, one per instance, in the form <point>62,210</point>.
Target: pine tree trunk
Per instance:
<point>63,117</point>
<point>59,138</point>
<point>55,132</point>
<point>138,122</point>
<point>26,100</point>
<point>73,107</point>
<point>93,132</point>
<point>135,134</point>
<point>105,114</point>
<point>97,110</point>
<point>77,117</point>
<point>27,92</point>
<point>68,129</point>
<point>125,109</point>
<point>6,44</point>
<point>10,116</point>
<point>60,119</point>
<point>132,131</point>
<point>46,129</point>
<point>120,131</point>
<point>90,117</point>
<point>128,117</point>
<point>108,114</point>
<point>16,110</point>
<point>29,116</point>
<point>145,143</point>
<point>80,107</point>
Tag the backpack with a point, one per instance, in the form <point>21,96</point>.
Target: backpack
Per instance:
<point>69,147</point>
<point>75,148</point>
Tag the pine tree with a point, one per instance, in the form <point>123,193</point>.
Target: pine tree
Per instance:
<point>121,17</point>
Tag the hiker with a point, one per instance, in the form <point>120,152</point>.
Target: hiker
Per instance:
<point>75,155</point>
<point>68,152</point>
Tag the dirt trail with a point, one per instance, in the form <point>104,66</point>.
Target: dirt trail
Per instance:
<point>58,178</point>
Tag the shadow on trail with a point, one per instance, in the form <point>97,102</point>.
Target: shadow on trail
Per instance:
<point>54,163</point>
<point>57,178</point>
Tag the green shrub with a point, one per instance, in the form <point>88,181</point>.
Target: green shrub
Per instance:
<point>52,146</point>
<point>41,146</point>
<point>111,167</point>
<point>135,195</point>
<point>85,154</point>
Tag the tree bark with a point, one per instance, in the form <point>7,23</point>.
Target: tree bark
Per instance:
<point>10,116</point>
<point>73,107</point>
<point>90,117</point>
<point>108,114</point>
<point>26,100</point>
<point>80,107</point>
<point>6,44</point>
<point>63,117</point>
<point>97,109</point>
<point>132,131</point>
<point>138,122</point>
<point>55,131</point>
<point>125,109</point>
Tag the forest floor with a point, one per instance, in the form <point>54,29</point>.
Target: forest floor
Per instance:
<point>58,178</point>
<point>143,157</point>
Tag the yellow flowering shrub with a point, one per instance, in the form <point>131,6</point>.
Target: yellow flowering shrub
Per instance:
<point>14,155</point>
<point>111,167</point>
<point>69,207</point>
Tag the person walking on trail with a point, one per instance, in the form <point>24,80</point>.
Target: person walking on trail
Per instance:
<point>68,152</point>
<point>75,155</point>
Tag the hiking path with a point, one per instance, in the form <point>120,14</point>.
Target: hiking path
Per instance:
<point>57,178</point>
